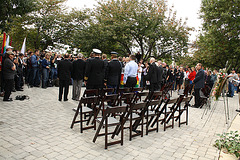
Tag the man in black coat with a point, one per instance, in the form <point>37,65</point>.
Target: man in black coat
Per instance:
<point>94,72</point>
<point>113,72</point>
<point>154,76</point>
<point>9,71</point>
<point>64,75</point>
<point>77,74</point>
<point>199,83</point>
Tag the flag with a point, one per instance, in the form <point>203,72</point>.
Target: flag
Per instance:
<point>4,43</point>
<point>7,42</point>
<point>3,49</point>
<point>23,46</point>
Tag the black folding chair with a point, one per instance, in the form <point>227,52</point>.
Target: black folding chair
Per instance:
<point>107,121</point>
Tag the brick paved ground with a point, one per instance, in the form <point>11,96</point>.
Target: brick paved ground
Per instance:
<point>39,128</point>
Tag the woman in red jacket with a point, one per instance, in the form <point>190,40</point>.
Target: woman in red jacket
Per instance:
<point>192,74</point>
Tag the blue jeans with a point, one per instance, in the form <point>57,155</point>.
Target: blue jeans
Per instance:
<point>53,73</point>
<point>45,77</point>
<point>231,89</point>
<point>34,77</point>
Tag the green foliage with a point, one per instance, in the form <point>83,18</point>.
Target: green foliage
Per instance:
<point>12,8</point>
<point>48,23</point>
<point>229,141</point>
<point>220,40</point>
<point>122,25</point>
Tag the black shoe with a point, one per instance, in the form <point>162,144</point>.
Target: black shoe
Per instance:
<point>194,106</point>
<point>19,89</point>
<point>14,90</point>
<point>37,86</point>
<point>8,100</point>
<point>237,110</point>
<point>65,99</point>
<point>73,98</point>
<point>59,99</point>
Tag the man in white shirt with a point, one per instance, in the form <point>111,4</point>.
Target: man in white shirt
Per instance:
<point>231,87</point>
<point>130,72</point>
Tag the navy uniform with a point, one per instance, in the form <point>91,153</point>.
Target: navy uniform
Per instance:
<point>94,72</point>
<point>113,72</point>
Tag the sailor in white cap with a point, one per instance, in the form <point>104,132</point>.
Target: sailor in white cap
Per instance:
<point>94,73</point>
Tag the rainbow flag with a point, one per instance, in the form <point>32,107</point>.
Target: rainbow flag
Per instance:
<point>122,84</point>
<point>4,43</point>
<point>3,49</point>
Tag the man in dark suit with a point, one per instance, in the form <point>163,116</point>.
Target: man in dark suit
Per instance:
<point>113,72</point>
<point>77,74</point>
<point>199,83</point>
<point>64,75</point>
<point>154,76</point>
<point>94,72</point>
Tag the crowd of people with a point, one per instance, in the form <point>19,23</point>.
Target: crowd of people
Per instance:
<point>50,69</point>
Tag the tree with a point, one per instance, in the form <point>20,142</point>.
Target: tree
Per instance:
<point>49,23</point>
<point>219,41</point>
<point>12,8</point>
<point>126,24</point>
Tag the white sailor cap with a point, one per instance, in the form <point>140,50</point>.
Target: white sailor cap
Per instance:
<point>97,51</point>
<point>9,47</point>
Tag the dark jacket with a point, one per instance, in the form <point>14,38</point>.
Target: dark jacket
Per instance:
<point>113,72</point>
<point>78,69</point>
<point>64,69</point>
<point>8,73</point>
<point>94,72</point>
<point>154,74</point>
<point>199,79</point>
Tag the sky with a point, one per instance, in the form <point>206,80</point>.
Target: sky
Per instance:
<point>185,9</point>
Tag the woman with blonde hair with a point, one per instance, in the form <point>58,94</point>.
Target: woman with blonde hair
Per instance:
<point>45,70</point>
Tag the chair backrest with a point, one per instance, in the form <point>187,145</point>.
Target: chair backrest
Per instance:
<point>186,101</point>
<point>105,91</point>
<point>92,99</point>
<point>110,98</point>
<point>140,89</point>
<point>137,106</point>
<point>173,101</point>
<point>128,97</point>
<point>90,92</point>
<point>154,102</point>
<point>187,89</point>
<point>156,95</point>
<point>120,91</point>
<point>139,95</point>
<point>116,109</point>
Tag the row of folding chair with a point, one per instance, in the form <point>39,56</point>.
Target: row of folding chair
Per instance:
<point>129,107</point>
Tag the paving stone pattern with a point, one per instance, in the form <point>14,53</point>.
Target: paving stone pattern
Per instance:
<point>39,128</point>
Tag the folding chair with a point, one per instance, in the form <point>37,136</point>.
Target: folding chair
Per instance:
<point>150,113</point>
<point>139,95</point>
<point>180,110</point>
<point>140,89</point>
<point>82,110</point>
<point>90,92</point>
<point>107,120</point>
<point>136,108</point>
<point>120,91</point>
<point>170,115</point>
<point>186,90</point>
<point>127,98</point>
<point>106,91</point>
<point>106,101</point>
<point>204,96</point>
